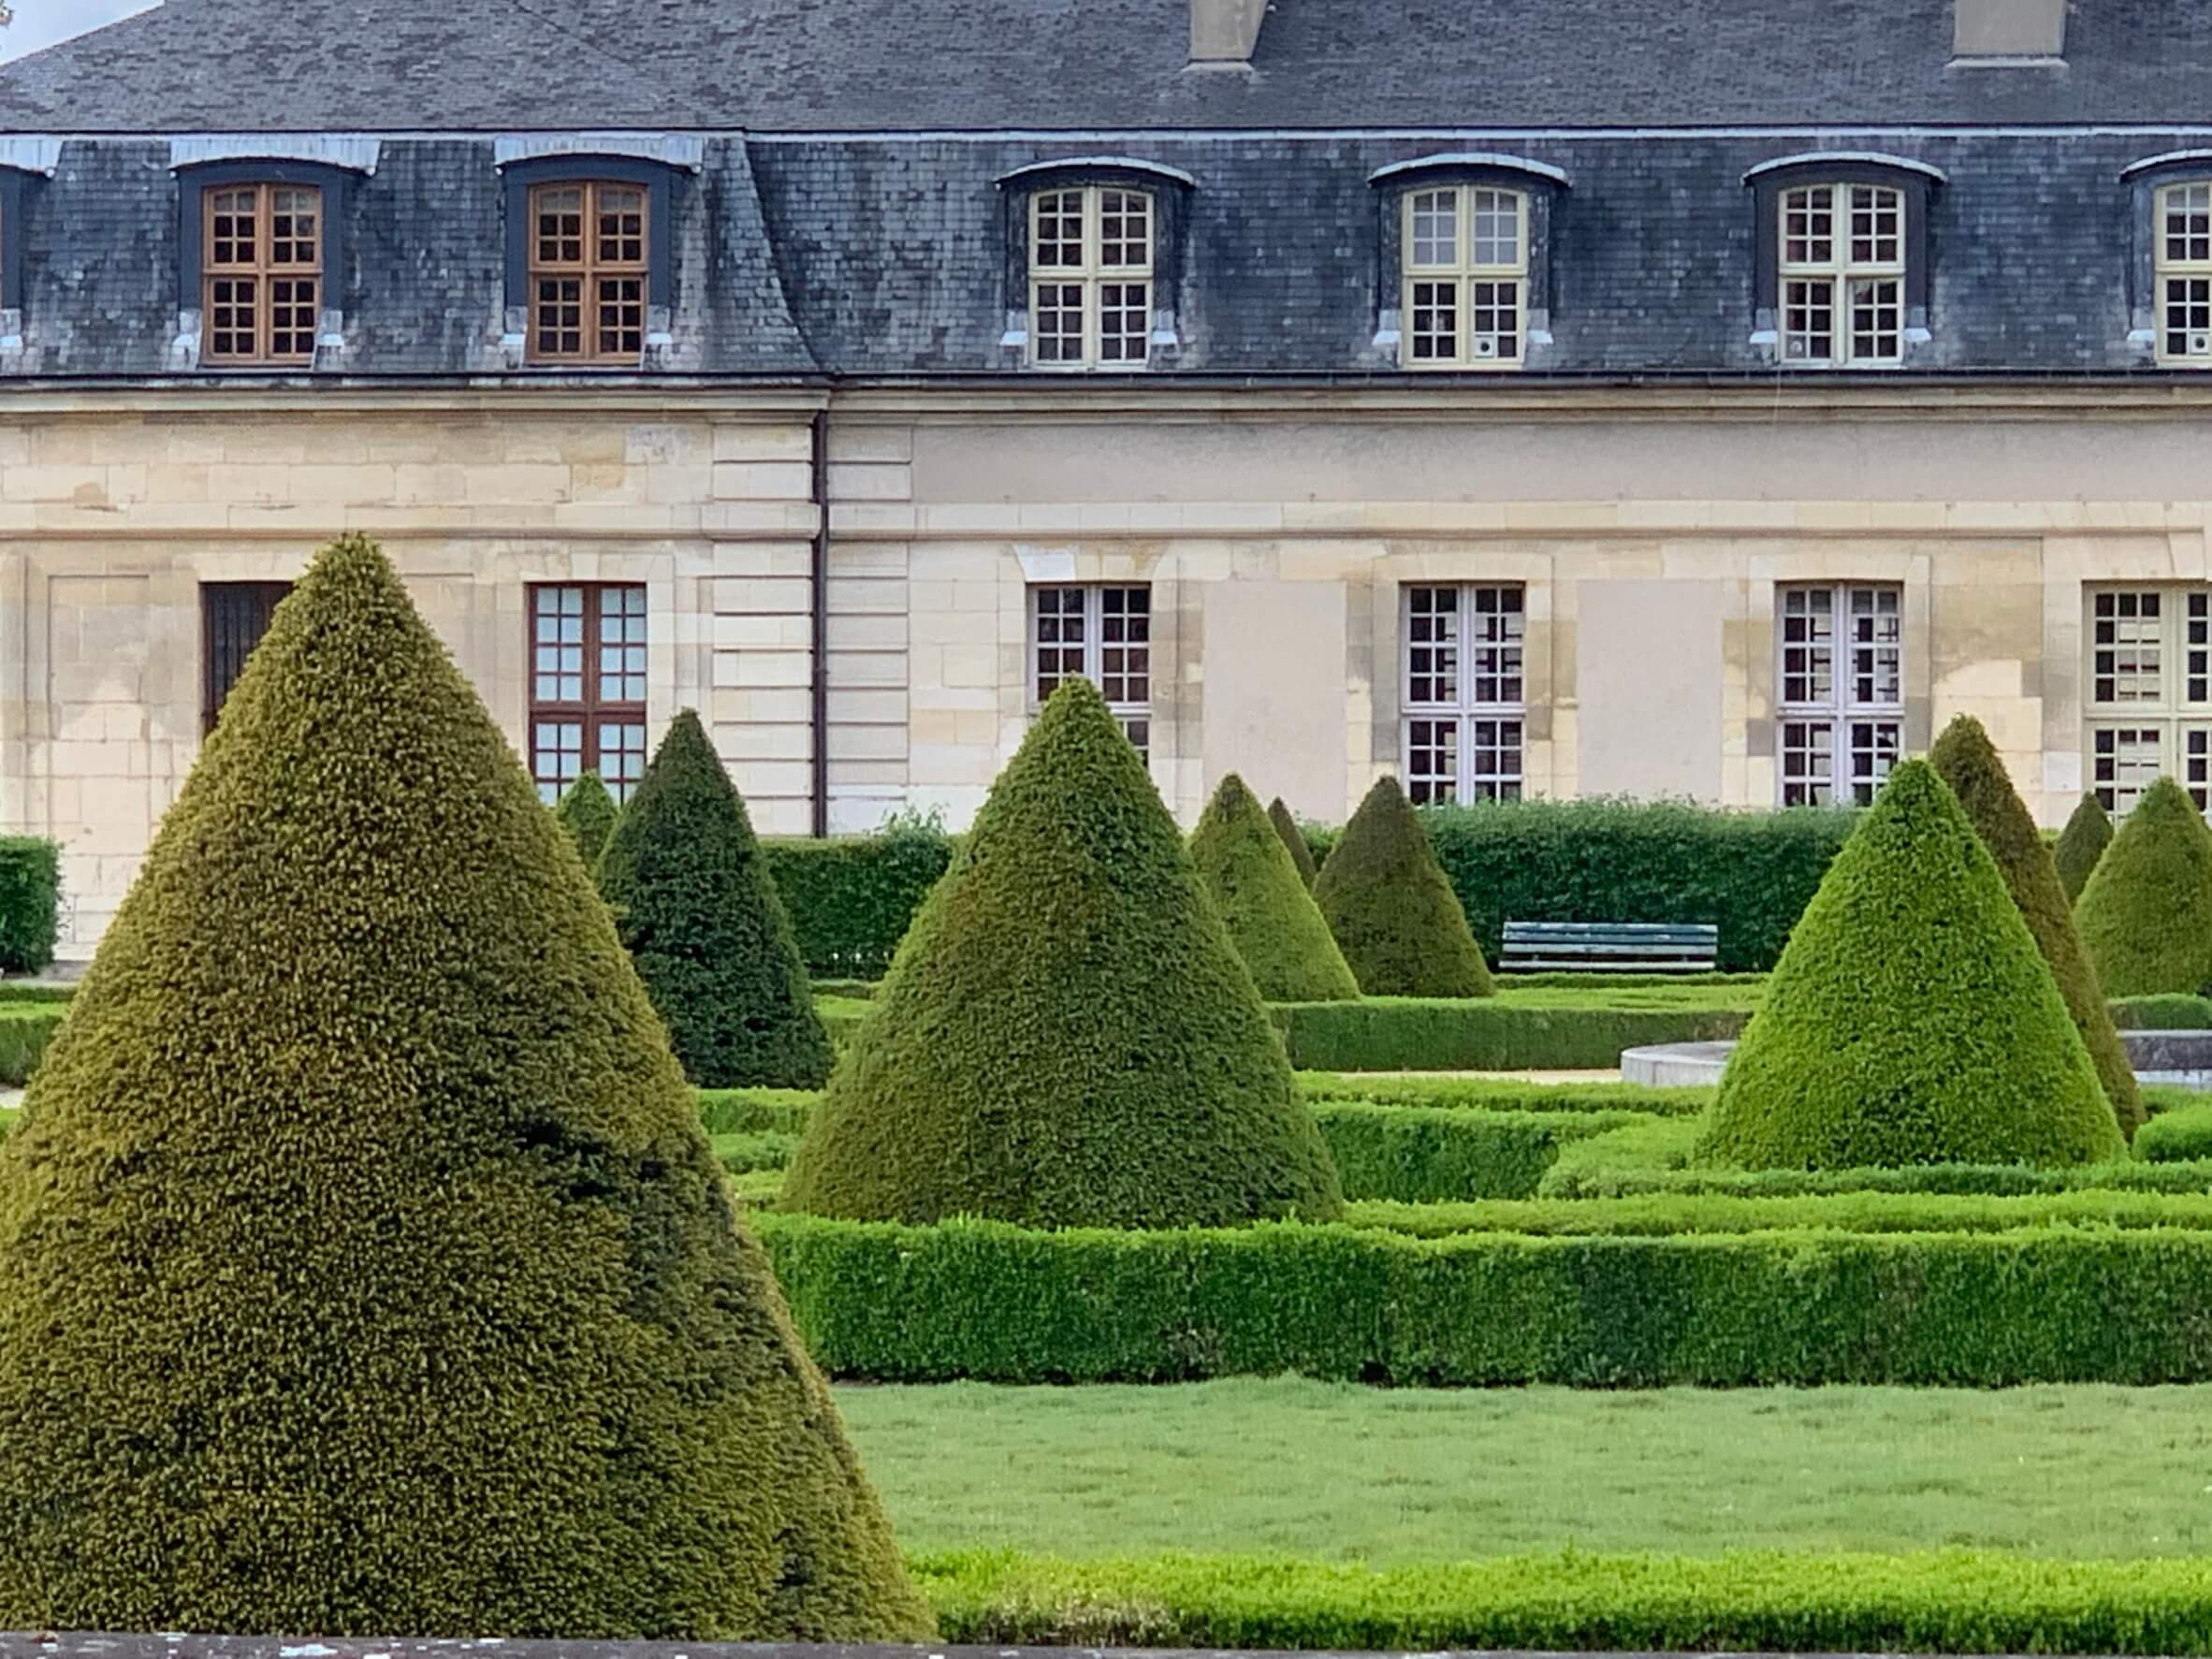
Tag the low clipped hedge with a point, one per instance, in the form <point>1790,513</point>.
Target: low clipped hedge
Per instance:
<point>1666,1214</point>
<point>30,902</point>
<point>1443,1034</point>
<point>1612,1180</point>
<point>1505,1094</point>
<point>2183,1135</point>
<point>26,1028</point>
<point>998,1303</point>
<point>851,897</point>
<point>1937,1602</point>
<point>2166,1011</point>
<point>752,1112</point>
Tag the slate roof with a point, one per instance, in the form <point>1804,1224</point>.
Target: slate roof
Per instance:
<point>881,65</point>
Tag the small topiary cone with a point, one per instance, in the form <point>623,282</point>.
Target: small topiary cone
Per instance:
<point>1302,854</point>
<point>1272,920</point>
<point>1393,909</point>
<point>2081,844</point>
<point>587,812</point>
<point>2146,915</point>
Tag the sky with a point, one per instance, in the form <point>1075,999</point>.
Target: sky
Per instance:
<point>41,22</point>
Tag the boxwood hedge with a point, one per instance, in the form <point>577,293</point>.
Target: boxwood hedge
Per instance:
<point>1494,1034</point>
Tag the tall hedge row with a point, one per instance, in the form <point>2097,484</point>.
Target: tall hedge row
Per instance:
<point>30,902</point>
<point>851,897</point>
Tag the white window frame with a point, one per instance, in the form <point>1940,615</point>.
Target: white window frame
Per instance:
<point>1104,613</point>
<point>2146,706</point>
<point>1102,271</point>
<point>2182,266</point>
<point>1833,701</point>
<point>1463,730</point>
<point>1478,276</point>
<point>1823,260</point>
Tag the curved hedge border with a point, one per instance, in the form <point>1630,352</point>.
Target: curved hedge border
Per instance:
<point>1944,1602</point>
<point>996,1304</point>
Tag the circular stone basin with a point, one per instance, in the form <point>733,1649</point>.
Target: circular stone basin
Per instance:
<point>2182,1059</point>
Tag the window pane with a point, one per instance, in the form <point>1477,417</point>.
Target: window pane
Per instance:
<point>1877,225</point>
<point>1125,230</point>
<point>1873,751</point>
<point>1058,619</point>
<point>1877,637</point>
<point>2197,668</point>
<point>1809,646</point>
<point>1436,228</point>
<point>233,226</point>
<point>623,644</point>
<point>1125,321</point>
<point>2196,764</point>
<point>2123,762</point>
<point>560,225</point>
<point>292,317</point>
<point>1493,321</point>
<point>1432,761</point>
<point>560,315</point>
<point>621,323</point>
<point>2126,655</point>
<point>1877,320</point>
<point>556,756</point>
<point>2188,224</point>
<point>1809,321</point>
<point>1494,228</point>
<point>1493,756</point>
<point>1056,322</point>
<point>233,317</point>
<point>1433,646</point>
<point>1056,233</point>
<point>1496,625</point>
<point>1434,326</point>
<point>621,225</point>
<point>621,757</point>
<point>2188,322</point>
<point>1807,762</point>
<point>1125,645</point>
<point>1809,226</point>
<point>293,217</point>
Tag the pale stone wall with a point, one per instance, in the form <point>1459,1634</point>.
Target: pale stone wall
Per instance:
<point>1651,536</point>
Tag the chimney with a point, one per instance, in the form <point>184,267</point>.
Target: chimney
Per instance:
<point>1984,29</point>
<point>1224,32</point>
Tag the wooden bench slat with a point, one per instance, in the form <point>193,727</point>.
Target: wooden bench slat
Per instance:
<point>1642,947</point>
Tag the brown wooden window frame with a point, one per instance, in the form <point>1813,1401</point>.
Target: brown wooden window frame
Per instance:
<point>225,264</point>
<point>593,258</point>
<point>233,616</point>
<point>595,716</point>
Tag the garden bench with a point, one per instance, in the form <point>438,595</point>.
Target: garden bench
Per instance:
<point>1610,947</point>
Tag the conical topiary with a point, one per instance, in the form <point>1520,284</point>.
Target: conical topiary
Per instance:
<point>1967,761</point>
<point>1391,907</point>
<point>587,812</point>
<point>1911,1019</point>
<point>2146,915</point>
<point>2081,844</point>
<point>696,906</point>
<point>1066,1037</point>
<point>363,1267</point>
<point>1272,920</point>
<point>1302,854</point>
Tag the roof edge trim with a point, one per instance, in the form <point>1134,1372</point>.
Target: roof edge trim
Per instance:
<point>31,155</point>
<point>1859,158</point>
<point>355,155</point>
<point>1120,164</point>
<point>1472,158</point>
<point>2171,158</point>
<point>669,149</point>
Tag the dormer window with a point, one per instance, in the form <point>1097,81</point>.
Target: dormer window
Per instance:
<point>1465,277</point>
<point>1091,250</point>
<point>588,273</point>
<point>1842,265</point>
<point>261,274</point>
<point>2184,273</point>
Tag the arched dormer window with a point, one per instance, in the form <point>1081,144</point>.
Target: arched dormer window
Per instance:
<point>590,267</point>
<point>1095,258</point>
<point>1467,236</point>
<point>2171,275</point>
<point>261,238</point>
<point>1843,263</point>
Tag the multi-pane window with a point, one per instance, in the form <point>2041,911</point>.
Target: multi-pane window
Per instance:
<point>1842,708</point>
<point>587,647</point>
<point>1090,277</point>
<point>233,617</point>
<point>261,273</point>
<point>1467,278</point>
<point>2183,263</point>
<point>1466,695</point>
<point>588,273</point>
<point>2150,690</point>
<point>1102,634</point>
<point>1842,274</point>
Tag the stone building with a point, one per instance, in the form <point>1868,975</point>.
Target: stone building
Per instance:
<point>1537,397</point>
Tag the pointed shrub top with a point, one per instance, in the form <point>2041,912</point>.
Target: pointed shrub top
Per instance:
<point>1911,1019</point>
<point>2145,914</point>
<point>363,1267</point>
<point>1302,854</point>
<point>1967,761</point>
<point>696,906</point>
<point>1272,920</point>
<point>1393,909</point>
<point>2081,844</point>
<point>1067,1037</point>
<point>587,812</point>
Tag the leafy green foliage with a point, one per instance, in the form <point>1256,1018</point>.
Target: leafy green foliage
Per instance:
<point>1067,1037</point>
<point>2081,844</point>
<point>1422,1155</point>
<point>2145,914</point>
<point>1953,1602</point>
<point>1272,918</point>
<point>26,1031</point>
<point>1497,1033</point>
<point>701,921</point>
<point>1505,1094</point>
<point>1653,1144</point>
<point>1612,1173</point>
<point>2182,1136</point>
<point>1294,841</point>
<point>30,902</point>
<point>1665,1215</point>
<point>363,1268</point>
<point>1966,760</point>
<point>587,812</point>
<point>1911,1019</point>
<point>852,898</point>
<point>1392,909</point>
<point>2170,1010</point>
<point>1000,1303</point>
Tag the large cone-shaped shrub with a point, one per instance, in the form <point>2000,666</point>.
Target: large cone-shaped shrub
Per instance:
<point>2146,915</point>
<point>1911,1019</point>
<point>1272,920</point>
<point>1393,909</point>
<point>1066,1037</point>
<point>587,812</point>
<point>363,1268</point>
<point>1968,761</point>
<point>1302,853</point>
<point>696,906</point>
<point>2081,844</point>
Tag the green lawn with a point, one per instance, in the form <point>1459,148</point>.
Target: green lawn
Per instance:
<point>1341,1473</point>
